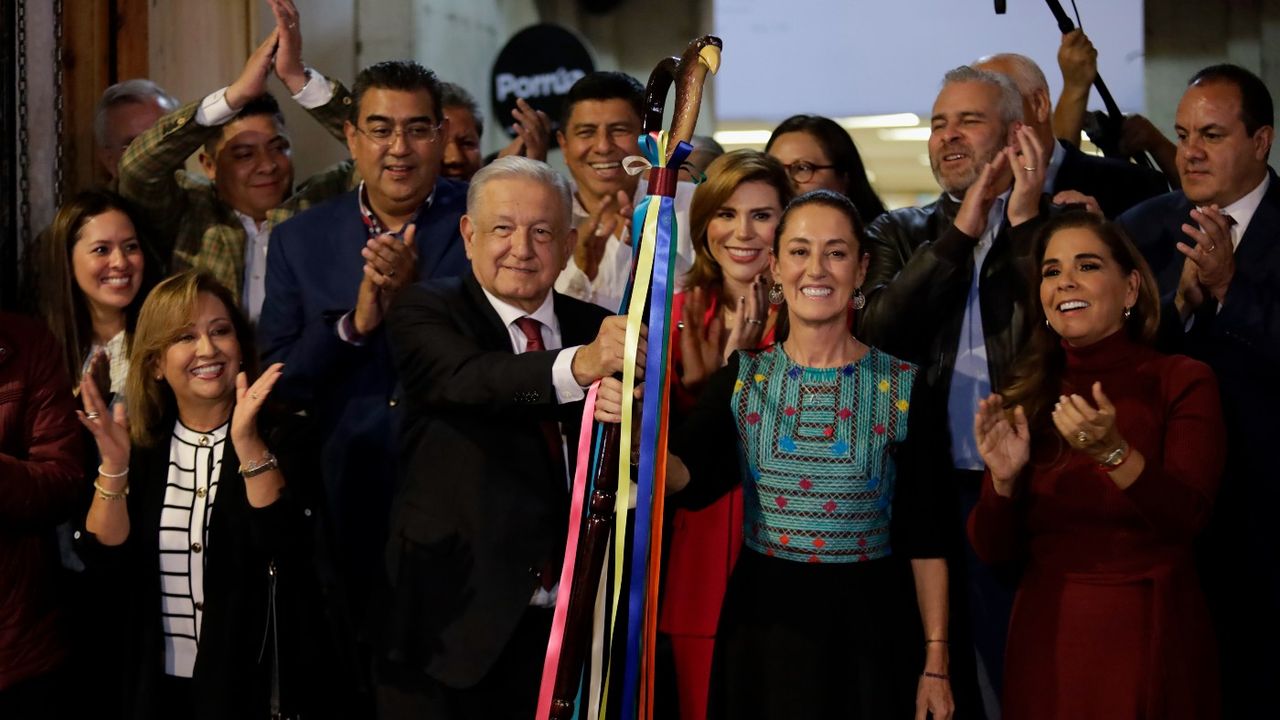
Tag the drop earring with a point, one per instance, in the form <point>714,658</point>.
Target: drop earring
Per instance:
<point>858,301</point>
<point>1127,313</point>
<point>775,294</point>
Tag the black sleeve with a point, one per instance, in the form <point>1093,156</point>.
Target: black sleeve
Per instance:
<point>707,442</point>
<point>923,525</point>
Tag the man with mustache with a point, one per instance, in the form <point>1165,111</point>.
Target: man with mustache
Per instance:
<point>949,295</point>
<point>601,128</point>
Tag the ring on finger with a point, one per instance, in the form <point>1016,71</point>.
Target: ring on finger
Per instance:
<point>1082,437</point>
<point>755,321</point>
<point>1029,168</point>
<point>1212,247</point>
<point>92,415</point>
<point>391,273</point>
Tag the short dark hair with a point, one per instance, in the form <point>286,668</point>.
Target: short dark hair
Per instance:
<point>454,95</point>
<point>264,104</point>
<point>604,85</point>
<point>839,147</point>
<point>1256,108</point>
<point>403,75</point>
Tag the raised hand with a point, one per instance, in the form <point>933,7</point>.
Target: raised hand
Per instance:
<point>700,353</point>
<point>253,78</point>
<point>1078,59</point>
<point>1075,197</point>
<point>971,219</point>
<point>109,426</point>
<point>249,401</point>
<point>533,132</point>
<point>1087,429</point>
<point>1029,163</point>
<point>1213,252</point>
<point>1004,441</point>
<point>390,264</point>
<point>749,320</point>
<point>288,59</point>
<point>612,217</point>
<point>100,370</point>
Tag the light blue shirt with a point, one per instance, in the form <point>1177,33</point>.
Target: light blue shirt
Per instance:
<point>971,377</point>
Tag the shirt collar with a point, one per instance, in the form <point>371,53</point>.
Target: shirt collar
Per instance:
<point>1055,164</point>
<point>251,226</point>
<point>545,314</point>
<point>371,221</point>
<point>1243,209</point>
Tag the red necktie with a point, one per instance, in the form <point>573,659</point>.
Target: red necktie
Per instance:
<point>532,330</point>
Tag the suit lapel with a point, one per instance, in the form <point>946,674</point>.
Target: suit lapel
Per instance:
<point>1260,239</point>
<point>435,238</point>
<point>491,331</point>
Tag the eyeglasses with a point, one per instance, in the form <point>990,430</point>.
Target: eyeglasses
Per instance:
<point>802,170</point>
<point>415,134</point>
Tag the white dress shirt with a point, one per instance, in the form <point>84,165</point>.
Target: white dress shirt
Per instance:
<point>567,389</point>
<point>611,279</point>
<point>1243,209</point>
<point>214,110</point>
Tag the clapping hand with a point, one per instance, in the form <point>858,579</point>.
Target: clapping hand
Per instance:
<point>612,217</point>
<point>109,426</point>
<point>253,79</point>
<point>971,219</point>
<point>533,132</point>
<point>700,354</point>
<point>390,264</point>
<point>749,320</point>
<point>249,401</point>
<point>1089,430</point>
<point>1213,253</point>
<point>288,59</point>
<point>1004,441</point>
<point>1029,163</point>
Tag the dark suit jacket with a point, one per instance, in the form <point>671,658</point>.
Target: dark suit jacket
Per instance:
<point>480,507</point>
<point>1241,342</point>
<point>1116,185</point>
<point>313,276</point>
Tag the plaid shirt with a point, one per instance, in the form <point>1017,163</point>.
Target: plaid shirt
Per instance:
<point>195,229</point>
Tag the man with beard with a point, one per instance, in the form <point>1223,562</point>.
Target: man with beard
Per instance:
<point>950,296</point>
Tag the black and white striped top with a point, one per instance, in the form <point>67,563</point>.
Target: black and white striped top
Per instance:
<point>195,461</point>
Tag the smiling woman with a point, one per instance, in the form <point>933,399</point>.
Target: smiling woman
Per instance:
<point>193,467</point>
<point>1102,461</point>
<point>93,279</point>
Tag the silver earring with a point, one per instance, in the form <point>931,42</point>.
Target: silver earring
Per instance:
<point>1046,323</point>
<point>1127,313</point>
<point>858,301</point>
<point>775,294</point>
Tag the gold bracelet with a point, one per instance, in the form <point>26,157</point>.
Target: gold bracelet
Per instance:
<point>106,494</point>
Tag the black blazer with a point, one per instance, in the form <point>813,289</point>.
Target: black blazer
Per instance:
<point>232,676</point>
<point>479,508</point>
<point>1117,185</point>
<point>1241,342</point>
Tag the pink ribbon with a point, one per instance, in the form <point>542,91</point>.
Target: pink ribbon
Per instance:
<point>580,483</point>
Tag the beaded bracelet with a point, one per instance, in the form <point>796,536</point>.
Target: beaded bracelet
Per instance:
<point>106,474</point>
<point>106,494</point>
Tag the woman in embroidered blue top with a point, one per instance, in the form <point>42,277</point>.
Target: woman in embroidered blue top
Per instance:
<point>813,623</point>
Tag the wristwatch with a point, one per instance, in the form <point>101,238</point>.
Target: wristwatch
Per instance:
<point>1116,457</point>
<point>268,462</point>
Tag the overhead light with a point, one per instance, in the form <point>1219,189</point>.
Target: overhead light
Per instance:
<point>894,120</point>
<point>743,137</point>
<point>905,134</point>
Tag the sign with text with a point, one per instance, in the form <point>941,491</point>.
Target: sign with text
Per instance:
<point>538,64</point>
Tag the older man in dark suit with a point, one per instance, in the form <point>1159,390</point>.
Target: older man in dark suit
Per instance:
<point>494,366</point>
<point>1215,249</point>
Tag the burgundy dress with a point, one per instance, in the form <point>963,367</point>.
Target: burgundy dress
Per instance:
<point>1109,620</point>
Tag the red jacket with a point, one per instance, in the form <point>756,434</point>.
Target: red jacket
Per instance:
<point>40,478</point>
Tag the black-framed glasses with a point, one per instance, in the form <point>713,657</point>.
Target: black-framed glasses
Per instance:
<point>415,134</point>
<point>803,170</point>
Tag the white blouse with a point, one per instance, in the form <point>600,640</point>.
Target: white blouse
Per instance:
<point>195,462</point>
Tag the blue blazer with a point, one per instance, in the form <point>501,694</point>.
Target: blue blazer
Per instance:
<point>314,269</point>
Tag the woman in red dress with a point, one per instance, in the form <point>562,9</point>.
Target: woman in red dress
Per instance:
<point>732,221</point>
<point>1103,457</point>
